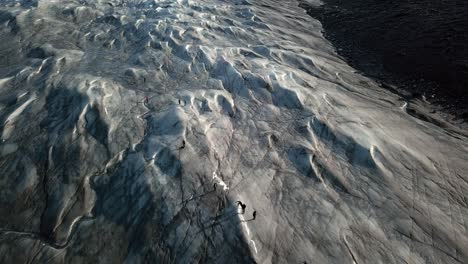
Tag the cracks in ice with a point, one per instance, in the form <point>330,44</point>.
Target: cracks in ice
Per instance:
<point>44,240</point>
<point>241,216</point>
<point>193,42</point>
<point>349,249</point>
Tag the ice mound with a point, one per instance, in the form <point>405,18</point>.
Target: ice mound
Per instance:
<point>130,129</point>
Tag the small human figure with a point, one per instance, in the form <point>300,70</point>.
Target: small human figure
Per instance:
<point>254,214</point>
<point>243,208</point>
<point>179,101</point>
<point>183,144</point>
<point>214,186</point>
<point>146,100</point>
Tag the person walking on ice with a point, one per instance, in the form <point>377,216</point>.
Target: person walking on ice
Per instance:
<point>243,206</point>
<point>183,144</point>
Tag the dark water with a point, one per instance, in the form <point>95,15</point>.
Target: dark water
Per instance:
<point>420,46</point>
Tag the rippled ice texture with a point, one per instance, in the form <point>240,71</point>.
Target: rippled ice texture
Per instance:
<point>247,95</point>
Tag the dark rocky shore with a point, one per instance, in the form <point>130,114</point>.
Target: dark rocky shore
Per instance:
<point>418,46</point>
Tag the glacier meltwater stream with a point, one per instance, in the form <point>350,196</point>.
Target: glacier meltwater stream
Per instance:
<point>130,129</point>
